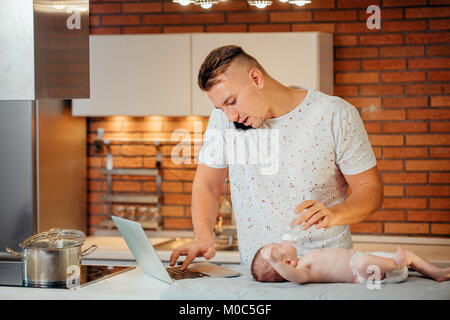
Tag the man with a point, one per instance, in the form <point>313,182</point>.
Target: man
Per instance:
<point>323,150</point>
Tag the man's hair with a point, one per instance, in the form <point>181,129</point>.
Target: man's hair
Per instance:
<point>218,61</point>
<point>262,271</point>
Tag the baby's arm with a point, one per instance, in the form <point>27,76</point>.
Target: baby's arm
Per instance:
<point>288,272</point>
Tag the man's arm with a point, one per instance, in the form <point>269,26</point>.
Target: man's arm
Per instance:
<point>206,189</point>
<point>365,199</point>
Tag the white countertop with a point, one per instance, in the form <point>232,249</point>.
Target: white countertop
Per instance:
<point>134,284</point>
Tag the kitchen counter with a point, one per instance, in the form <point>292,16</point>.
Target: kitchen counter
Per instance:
<point>134,284</point>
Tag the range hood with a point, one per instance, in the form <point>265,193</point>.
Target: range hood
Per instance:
<point>44,49</point>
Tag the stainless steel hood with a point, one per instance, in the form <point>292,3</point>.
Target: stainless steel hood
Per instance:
<point>44,49</point>
<point>44,63</point>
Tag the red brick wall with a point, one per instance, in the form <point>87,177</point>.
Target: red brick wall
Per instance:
<point>177,178</point>
<point>397,76</point>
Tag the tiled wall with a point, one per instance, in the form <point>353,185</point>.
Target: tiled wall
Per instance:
<point>398,77</point>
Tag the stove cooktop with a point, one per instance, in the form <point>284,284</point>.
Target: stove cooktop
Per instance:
<point>11,274</point>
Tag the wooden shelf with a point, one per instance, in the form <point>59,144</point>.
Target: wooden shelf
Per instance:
<point>146,224</point>
<point>152,140</point>
<point>130,172</point>
<point>131,199</point>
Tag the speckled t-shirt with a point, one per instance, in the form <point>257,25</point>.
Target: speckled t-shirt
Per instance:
<point>299,156</point>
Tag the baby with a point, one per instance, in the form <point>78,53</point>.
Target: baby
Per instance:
<point>276,262</point>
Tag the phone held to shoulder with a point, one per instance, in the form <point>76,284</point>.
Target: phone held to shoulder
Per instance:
<point>238,125</point>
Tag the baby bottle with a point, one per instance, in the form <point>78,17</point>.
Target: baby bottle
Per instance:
<point>291,228</point>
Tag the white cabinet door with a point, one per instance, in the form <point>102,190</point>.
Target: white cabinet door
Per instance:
<point>138,75</point>
<point>292,58</point>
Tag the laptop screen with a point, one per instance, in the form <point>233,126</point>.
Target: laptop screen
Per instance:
<point>142,249</point>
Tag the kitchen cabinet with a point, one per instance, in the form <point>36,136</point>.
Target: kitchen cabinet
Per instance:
<point>138,75</point>
<point>292,58</point>
<point>141,75</point>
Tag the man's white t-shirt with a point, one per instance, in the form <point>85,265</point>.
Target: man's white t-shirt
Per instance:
<point>299,156</point>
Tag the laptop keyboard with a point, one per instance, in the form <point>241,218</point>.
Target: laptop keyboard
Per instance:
<point>177,274</point>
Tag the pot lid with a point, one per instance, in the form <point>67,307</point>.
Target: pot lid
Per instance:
<point>55,239</point>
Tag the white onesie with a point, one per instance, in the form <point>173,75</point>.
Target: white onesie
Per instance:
<point>299,156</point>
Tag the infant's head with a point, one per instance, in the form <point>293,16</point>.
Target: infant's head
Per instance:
<point>261,268</point>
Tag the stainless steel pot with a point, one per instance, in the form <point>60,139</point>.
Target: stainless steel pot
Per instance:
<point>50,259</point>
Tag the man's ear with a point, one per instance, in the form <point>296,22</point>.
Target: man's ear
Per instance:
<point>256,77</point>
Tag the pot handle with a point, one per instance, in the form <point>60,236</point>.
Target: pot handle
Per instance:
<point>89,250</point>
<point>56,238</point>
<point>14,253</point>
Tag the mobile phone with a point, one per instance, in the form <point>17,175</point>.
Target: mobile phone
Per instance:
<point>242,126</point>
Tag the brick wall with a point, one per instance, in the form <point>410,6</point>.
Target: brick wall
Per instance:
<point>177,177</point>
<point>398,77</point>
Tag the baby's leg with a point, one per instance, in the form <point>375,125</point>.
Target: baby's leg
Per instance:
<point>398,261</point>
<point>426,268</point>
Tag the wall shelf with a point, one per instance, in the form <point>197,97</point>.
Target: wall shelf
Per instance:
<point>145,224</point>
<point>130,172</point>
<point>153,221</point>
<point>131,199</point>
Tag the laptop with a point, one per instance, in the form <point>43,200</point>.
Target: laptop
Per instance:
<point>148,260</point>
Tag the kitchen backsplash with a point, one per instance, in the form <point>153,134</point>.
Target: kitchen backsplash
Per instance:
<point>397,76</point>
<point>177,175</point>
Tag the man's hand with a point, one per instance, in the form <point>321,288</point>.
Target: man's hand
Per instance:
<point>316,214</point>
<point>191,251</point>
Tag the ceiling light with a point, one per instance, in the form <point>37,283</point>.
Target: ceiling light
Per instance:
<point>259,3</point>
<point>59,5</point>
<point>206,4</point>
<point>299,2</point>
<point>183,2</point>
